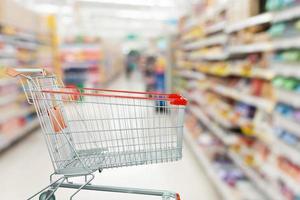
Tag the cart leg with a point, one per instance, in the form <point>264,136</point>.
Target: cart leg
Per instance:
<point>56,187</point>
<point>55,184</point>
<point>84,185</point>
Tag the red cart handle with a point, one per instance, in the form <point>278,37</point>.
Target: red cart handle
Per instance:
<point>174,99</point>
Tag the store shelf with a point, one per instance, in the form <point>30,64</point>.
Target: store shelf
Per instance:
<point>219,119</point>
<point>192,23</point>
<point>287,124</point>
<point>278,44</point>
<point>283,149</point>
<point>286,14</point>
<point>209,169</point>
<point>286,69</point>
<point>252,21</point>
<point>212,57</point>
<point>16,113</point>
<point>288,97</point>
<point>272,171</point>
<point>286,43</point>
<point>267,135</point>
<point>270,192</point>
<point>213,127</point>
<point>254,72</point>
<point>258,102</point>
<point>6,141</point>
<point>217,27</point>
<point>191,74</point>
<point>215,10</point>
<point>7,81</point>
<point>250,48</point>
<point>289,182</point>
<point>26,45</point>
<point>271,17</point>
<point>210,41</point>
<point>80,46</point>
<point>8,98</point>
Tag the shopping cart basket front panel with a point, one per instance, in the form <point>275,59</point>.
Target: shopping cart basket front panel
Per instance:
<point>104,129</point>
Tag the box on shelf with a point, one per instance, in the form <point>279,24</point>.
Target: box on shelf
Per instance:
<point>17,16</point>
<point>239,10</point>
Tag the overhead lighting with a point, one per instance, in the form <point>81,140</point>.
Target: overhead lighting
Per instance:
<point>158,3</point>
<point>51,9</point>
<point>150,15</point>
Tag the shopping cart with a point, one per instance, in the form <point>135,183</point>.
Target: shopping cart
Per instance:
<point>93,129</point>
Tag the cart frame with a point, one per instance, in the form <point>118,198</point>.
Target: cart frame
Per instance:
<point>47,193</point>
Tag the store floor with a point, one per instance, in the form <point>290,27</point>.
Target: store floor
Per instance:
<point>24,169</point>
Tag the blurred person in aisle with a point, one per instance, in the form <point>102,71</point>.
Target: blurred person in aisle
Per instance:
<point>132,62</point>
<point>149,73</point>
<point>160,66</point>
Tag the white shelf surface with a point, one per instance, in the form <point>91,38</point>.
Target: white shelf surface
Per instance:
<point>255,72</point>
<point>217,27</point>
<point>286,69</point>
<point>254,177</point>
<point>7,140</point>
<point>223,189</point>
<point>288,97</point>
<point>8,98</point>
<point>275,144</point>
<point>219,119</point>
<point>213,127</point>
<point>212,57</point>
<point>287,14</point>
<point>276,44</point>
<point>16,113</point>
<point>252,21</point>
<point>270,17</point>
<point>276,173</point>
<point>287,124</point>
<point>191,74</point>
<point>209,41</point>
<point>290,182</point>
<point>7,81</point>
<point>259,102</point>
<point>250,48</point>
<point>281,148</point>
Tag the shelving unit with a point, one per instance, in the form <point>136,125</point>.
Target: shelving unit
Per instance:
<point>225,192</point>
<point>5,142</point>
<point>23,43</point>
<point>243,59</point>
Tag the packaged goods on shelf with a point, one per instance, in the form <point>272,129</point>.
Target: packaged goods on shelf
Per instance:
<point>21,44</point>
<point>222,171</point>
<point>81,61</point>
<point>252,93</point>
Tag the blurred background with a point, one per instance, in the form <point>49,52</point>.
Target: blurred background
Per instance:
<point>237,62</point>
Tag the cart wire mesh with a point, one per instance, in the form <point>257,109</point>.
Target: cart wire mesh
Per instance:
<point>90,129</point>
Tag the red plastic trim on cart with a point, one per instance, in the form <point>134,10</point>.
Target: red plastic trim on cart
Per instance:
<point>175,99</point>
<point>129,92</point>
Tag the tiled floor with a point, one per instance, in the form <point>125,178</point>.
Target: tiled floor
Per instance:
<point>24,169</point>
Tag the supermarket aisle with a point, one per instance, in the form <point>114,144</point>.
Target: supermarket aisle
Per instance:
<point>25,168</point>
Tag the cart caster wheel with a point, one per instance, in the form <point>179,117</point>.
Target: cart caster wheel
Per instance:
<point>46,194</point>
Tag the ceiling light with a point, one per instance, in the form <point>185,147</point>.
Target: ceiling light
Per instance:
<point>158,3</point>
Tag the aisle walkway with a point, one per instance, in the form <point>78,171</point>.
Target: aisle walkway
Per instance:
<point>25,168</point>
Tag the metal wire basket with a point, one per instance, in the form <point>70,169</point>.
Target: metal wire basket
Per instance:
<point>91,129</point>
